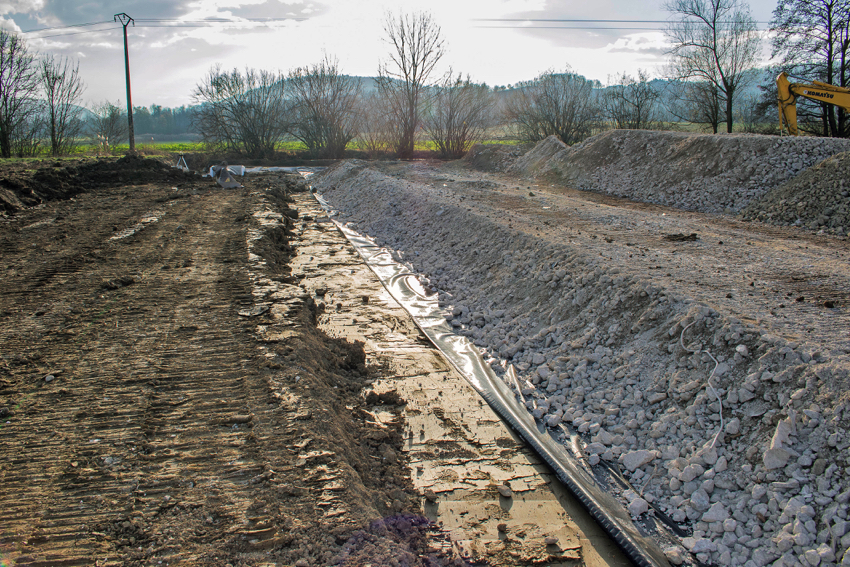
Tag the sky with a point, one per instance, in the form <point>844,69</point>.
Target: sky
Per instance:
<point>173,44</point>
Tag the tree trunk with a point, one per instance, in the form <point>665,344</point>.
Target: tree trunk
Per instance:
<point>729,118</point>
<point>54,138</point>
<point>825,119</point>
<point>5,143</point>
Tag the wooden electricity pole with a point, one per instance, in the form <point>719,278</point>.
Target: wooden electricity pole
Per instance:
<point>124,19</point>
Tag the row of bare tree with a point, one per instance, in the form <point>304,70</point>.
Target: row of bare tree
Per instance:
<point>38,97</point>
<point>715,45</point>
<point>714,50</point>
<point>252,111</point>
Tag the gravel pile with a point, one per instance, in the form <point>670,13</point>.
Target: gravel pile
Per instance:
<point>734,433</point>
<point>698,172</point>
<point>818,199</point>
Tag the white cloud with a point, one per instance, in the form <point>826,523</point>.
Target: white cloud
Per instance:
<point>638,42</point>
<point>351,30</point>
<point>20,6</point>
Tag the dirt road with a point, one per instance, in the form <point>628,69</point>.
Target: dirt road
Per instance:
<point>196,376</point>
<point>141,420</point>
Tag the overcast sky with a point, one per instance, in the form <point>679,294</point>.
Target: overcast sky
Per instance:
<point>175,42</point>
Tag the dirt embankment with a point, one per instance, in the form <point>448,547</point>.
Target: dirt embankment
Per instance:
<point>28,183</point>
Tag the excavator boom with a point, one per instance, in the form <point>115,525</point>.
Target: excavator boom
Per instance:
<point>787,93</point>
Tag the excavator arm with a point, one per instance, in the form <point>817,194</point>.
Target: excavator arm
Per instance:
<point>788,92</point>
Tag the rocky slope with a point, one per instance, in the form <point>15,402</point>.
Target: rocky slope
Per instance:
<point>735,431</point>
<point>698,172</point>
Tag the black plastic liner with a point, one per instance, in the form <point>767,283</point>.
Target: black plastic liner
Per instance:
<point>405,288</point>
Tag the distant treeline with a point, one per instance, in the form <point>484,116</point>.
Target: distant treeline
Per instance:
<point>158,120</point>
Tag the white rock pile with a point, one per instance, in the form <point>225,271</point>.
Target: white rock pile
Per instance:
<point>818,199</point>
<point>708,173</point>
<point>722,426</point>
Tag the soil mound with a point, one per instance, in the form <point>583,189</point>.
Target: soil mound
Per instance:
<point>818,199</point>
<point>492,157</point>
<point>21,186</point>
<point>536,159</point>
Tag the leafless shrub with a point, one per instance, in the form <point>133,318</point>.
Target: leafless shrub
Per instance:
<point>457,115</point>
<point>417,47</point>
<point>631,103</point>
<point>108,124</point>
<point>324,108</point>
<point>756,117</point>
<point>376,128</point>
<point>28,134</point>
<point>240,112</point>
<point>62,88</point>
<point>559,104</point>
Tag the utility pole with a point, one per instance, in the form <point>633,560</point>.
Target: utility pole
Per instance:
<point>124,19</point>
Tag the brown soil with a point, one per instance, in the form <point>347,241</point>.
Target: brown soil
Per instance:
<point>198,376</point>
<point>143,419</point>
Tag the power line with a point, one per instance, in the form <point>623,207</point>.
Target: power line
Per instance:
<point>66,27</point>
<point>74,33</point>
<point>223,20</point>
<point>582,24</point>
<point>182,23</point>
<point>586,28</point>
<point>580,20</point>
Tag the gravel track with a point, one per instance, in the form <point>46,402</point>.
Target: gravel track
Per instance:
<point>627,328</point>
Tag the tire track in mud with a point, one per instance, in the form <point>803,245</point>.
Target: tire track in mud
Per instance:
<point>184,421</point>
<point>150,415</point>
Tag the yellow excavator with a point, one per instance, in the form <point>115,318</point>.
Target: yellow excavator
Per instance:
<point>820,91</point>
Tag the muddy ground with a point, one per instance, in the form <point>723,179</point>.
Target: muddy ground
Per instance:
<point>198,376</point>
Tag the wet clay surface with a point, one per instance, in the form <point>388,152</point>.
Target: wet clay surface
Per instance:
<point>459,450</point>
<point>196,376</point>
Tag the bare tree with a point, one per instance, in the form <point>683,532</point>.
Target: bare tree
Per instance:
<point>241,112</point>
<point>698,102</point>
<point>18,87</point>
<point>457,115</point>
<point>62,88</point>
<point>811,38</point>
<point>108,125</point>
<point>714,41</point>
<point>324,107</point>
<point>560,104</point>
<point>417,47</point>
<point>631,103</point>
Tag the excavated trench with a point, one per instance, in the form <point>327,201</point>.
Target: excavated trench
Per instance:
<point>672,345</point>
